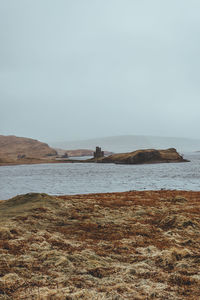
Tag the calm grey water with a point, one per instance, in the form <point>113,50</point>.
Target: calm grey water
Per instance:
<point>59,179</point>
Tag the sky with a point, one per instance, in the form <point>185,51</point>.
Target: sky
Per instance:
<point>80,69</point>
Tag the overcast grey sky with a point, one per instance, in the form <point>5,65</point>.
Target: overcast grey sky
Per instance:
<point>76,69</point>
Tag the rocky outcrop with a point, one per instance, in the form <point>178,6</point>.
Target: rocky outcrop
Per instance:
<point>144,157</point>
<point>132,245</point>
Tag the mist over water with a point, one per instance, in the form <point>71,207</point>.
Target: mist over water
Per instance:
<point>60,179</point>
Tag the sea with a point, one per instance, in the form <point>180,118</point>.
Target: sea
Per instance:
<point>85,178</point>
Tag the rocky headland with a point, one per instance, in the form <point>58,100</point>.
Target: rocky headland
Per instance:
<point>146,156</point>
<point>20,150</point>
<point>131,245</point>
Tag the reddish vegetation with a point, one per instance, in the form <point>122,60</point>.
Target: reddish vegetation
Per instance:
<point>132,245</point>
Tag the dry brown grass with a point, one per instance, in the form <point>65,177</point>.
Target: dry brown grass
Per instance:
<point>12,146</point>
<point>133,245</point>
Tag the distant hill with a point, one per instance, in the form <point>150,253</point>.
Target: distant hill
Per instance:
<point>74,153</point>
<point>128,143</point>
<point>78,152</point>
<point>13,147</point>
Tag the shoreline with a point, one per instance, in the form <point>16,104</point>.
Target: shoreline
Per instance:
<point>89,161</point>
<point>114,193</point>
<point>38,162</point>
<point>138,157</point>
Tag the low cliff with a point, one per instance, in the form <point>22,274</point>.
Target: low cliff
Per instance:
<point>144,157</point>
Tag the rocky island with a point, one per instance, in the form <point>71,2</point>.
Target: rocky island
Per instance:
<point>131,245</point>
<point>147,156</point>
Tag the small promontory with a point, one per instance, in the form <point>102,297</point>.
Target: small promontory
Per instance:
<point>146,156</point>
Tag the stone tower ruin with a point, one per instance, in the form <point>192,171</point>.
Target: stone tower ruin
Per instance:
<point>98,153</point>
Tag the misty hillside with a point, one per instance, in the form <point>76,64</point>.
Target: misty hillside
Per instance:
<point>132,142</point>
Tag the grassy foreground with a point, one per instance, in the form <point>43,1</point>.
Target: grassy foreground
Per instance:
<point>132,245</point>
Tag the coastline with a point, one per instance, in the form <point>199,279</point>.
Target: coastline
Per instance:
<point>38,161</point>
<point>138,157</point>
<point>129,245</point>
